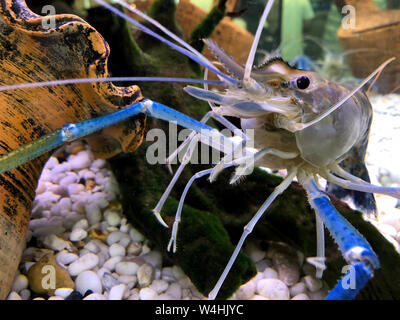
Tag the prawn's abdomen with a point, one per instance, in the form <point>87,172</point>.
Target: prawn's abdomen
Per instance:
<point>331,138</point>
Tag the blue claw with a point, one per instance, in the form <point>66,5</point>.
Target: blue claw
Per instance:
<point>356,250</point>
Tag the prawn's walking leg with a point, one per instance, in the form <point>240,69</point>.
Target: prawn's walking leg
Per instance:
<point>207,116</point>
<point>356,250</point>
<point>361,186</point>
<point>185,161</point>
<point>173,240</point>
<point>245,168</point>
<point>193,138</point>
<point>249,228</point>
<point>73,131</point>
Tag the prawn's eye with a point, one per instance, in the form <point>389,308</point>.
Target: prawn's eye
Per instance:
<point>302,82</point>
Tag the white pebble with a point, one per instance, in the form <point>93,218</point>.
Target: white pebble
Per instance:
<point>175,291</point>
<point>312,283</point>
<point>145,275</point>
<point>164,296</point>
<point>61,168</point>
<point>127,268</point>
<point>117,292</point>
<point>270,273</point>
<point>63,292</point>
<point>125,241</point>
<point>298,288</point>
<point>134,294</point>
<point>255,253</point>
<point>97,164</point>
<point>258,297</point>
<point>273,289</point>
<point>301,296</point>
<point>145,248</point>
<point>80,160</point>
<point>147,294</point>
<point>392,218</point>
<point>246,291</point>
<point>55,298</point>
<point>99,199</point>
<point>114,237</point>
<point>159,286</point>
<point>94,296</point>
<point>93,213</point>
<point>134,249</point>
<point>14,296</point>
<point>25,294</point>
<point>178,272</point>
<point>388,229</point>
<point>127,279</point>
<point>108,281</point>
<point>51,163</point>
<point>56,243</point>
<point>88,280</point>
<point>20,283</point>
<point>155,259</point>
<point>86,262</point>
<point>135,235</point>
<point>110,263</point>
<point>92,246</point>
<point>78,234</point>
<point>113,218</point>
<point>185,282</point>
<point>70,178</point>
<point>83,224</point>
<point>101,272</point>
<point>116,250</point>
<point>75,188</point>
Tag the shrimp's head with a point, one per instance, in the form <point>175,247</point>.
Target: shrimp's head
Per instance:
<point>330,138</point>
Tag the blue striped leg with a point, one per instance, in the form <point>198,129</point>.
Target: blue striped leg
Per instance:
<point>74,131</point>
<point>355,249</point>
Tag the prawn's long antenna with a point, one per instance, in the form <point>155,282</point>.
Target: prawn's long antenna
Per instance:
<point>141,14</point>
<point>252,53</point>
<point>29,85</point>
<point>167,42</point>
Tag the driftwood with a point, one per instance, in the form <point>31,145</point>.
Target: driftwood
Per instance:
<point>31,54</point>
